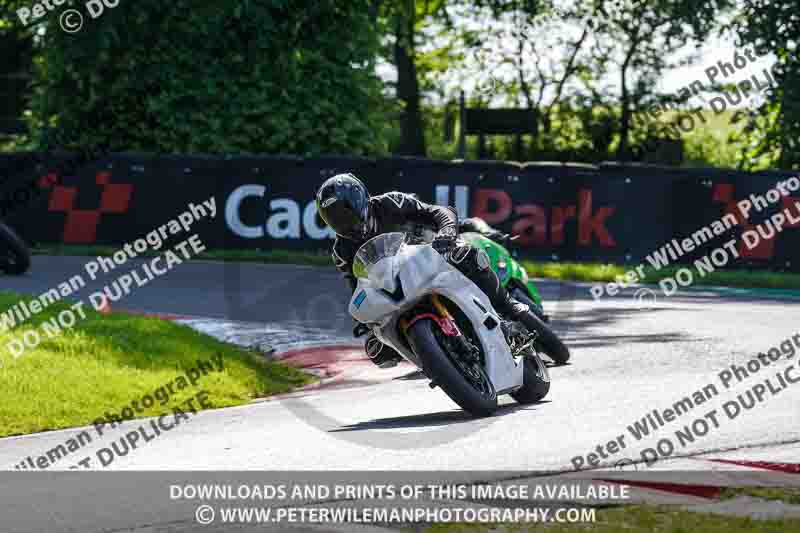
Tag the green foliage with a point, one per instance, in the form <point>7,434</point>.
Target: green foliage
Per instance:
<point>565,60</point>
<point>704,148</point>
<point>713,141</point>
<point>299,77</point>
<point>107,361</point>
<point>639,41</point>
<point>774,131</point>
<point>230,77</point>
<point>16,50</point>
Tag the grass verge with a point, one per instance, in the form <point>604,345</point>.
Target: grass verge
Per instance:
<point>106,362</point>
<point>588,272</point>
<point>781,494</point>
<point>641,519</point>
<point>599,272</point>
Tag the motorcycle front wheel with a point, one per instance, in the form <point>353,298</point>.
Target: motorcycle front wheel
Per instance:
<point>15,259</point>
<point>467,384</point>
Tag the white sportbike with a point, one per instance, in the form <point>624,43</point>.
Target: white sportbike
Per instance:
<point>439,320</point>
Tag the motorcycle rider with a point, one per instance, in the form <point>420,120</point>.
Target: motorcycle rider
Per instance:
<point>345,205</point>
<point>478,225</point>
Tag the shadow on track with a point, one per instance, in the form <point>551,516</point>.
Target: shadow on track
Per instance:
<point>579,329</point>
<point>442,418</point>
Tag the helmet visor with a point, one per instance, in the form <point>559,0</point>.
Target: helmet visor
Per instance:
<point>345,220</point>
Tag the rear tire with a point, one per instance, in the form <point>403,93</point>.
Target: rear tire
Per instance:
<point>522,296</point>
<point>15,259</point>
<point>547,342</point>
<point>536,381</point>
<point>438,366</point>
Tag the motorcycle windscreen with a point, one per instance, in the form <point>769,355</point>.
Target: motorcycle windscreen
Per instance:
<point>375,262</point>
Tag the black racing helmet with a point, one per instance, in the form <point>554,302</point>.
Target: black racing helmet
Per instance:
<point>343,203</point>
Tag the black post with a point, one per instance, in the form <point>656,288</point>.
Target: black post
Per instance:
<point>518,146</point>
<point>462,127</point>
<point>481,146</point>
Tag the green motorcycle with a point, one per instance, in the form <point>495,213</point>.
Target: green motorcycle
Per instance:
<point>514,278</point>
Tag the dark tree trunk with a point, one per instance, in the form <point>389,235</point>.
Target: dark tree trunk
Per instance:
<point>412,139</point>
<point>625,120</point>
<point>624,129</point>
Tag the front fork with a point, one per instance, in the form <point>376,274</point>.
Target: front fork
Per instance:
<point>441,316</point>
<point>447,324</point>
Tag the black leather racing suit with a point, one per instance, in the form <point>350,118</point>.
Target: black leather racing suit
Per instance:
<point>397,211</point>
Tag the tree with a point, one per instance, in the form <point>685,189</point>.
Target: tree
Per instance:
<point>406,23</point>
<point>773,130</point>
<point>523,53</point>
<point>274,76</point>
<point>637,38</point>
<point>16,63</point>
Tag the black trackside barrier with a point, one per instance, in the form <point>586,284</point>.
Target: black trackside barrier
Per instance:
<point>564,212</point>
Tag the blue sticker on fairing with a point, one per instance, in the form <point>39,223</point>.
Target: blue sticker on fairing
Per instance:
<point>360,299</point>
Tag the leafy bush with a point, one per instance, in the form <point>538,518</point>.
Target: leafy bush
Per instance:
<point>275,76</point>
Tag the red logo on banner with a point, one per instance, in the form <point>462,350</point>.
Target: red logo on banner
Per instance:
<point>496,206</point>
<point>81,224</point>
<point>765,249</point>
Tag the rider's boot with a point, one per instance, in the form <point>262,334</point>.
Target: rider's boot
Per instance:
<point>474,263</point>
<point>516,311</point>
<point>513,309</point>
<point>382,355</point>
<point>505,304</point>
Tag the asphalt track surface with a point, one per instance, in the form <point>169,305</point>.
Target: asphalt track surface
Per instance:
<point>630,356</point>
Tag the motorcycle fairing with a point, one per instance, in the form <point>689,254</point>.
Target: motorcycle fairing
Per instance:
<point>420,271</point>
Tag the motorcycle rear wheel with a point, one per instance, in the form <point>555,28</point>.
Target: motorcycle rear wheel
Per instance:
<point>455,379</point>
<point>547,342</point>
<point>522,296</point>
<point>15,258</point>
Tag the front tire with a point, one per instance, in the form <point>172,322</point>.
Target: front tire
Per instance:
<point>443,371</point>
<point>547,342</point>
<point>15,258</point>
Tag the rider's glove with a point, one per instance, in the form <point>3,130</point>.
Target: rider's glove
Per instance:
<point>444,242</point>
